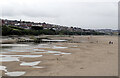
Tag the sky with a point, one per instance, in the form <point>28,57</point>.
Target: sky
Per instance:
<point>88,14</point>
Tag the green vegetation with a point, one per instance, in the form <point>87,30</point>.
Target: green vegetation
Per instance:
<point>13,30</point>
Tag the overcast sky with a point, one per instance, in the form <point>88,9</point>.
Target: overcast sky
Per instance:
<point>80,13</point>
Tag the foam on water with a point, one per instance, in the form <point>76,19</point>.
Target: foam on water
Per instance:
<point>30,63</point>
<point>15,73</point>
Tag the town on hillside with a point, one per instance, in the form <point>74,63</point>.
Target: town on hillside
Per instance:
<point>27,25</point>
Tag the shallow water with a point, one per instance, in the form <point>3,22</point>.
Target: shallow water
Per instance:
<point>54,52</point>
<point>38,67</point>
<point>38,50</point>
<point>15,73</point>
<point>18,50</point>
<point>44,46</point>
<point>30,50</point>
<point>30,63</point>
<point>18,45</point>
<point>74,46</point>
<point>58,47</point>
<point>65,53</point>
<point>3,68</point>
<point>29,56</point>
<point>3,52</point>
<point>54,40</point>
<point>57,54</point>
<point>9,59</point>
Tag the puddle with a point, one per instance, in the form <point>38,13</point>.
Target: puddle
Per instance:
<point>65,53</point>
<point>48,52</point>
<point>15,45</point>
<point>18,50</point>
<point>54,40</point>
<point>57,47</point>
<point>9,59</point>
<point>4,52</point>
<point>3,68</point>
<point>74,46</point>
<point>30,63</point>
<point>43,44</point>
<point>30,56</point>
<point>16,73</point>
<point>57,54</point>
<point>54,52</point>
<point>38,50</point>
<point>59,44</point>
<point>38,67</point>
<point>62,53</point>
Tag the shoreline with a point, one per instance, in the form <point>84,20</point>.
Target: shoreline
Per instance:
<point>88,58</point>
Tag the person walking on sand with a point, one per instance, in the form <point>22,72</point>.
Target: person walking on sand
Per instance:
<point>97,41</point>
<point>110,42</point>
<point>88,38</point>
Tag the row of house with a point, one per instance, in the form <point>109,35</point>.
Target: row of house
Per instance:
<point>108,31</point>
<point>28,25</point>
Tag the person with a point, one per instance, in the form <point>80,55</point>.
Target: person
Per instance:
<point>97,41</point>
<point>110,42</point>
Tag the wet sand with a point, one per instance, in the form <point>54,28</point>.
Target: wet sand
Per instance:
<point>92,56</point>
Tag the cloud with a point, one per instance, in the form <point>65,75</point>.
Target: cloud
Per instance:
<point>81,13</point>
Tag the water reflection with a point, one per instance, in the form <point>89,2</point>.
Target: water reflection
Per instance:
<point>15,73</point>
<point>3,68</point>
<point>9,59</point>
<point>58,47</point>
<point>38,67</point>
<point>13,45</point>
<point>54,52</point>
<point>30,63</point>
<point>13,56</point>
<point>34,50</point>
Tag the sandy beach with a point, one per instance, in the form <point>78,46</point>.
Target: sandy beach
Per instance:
<point>85,56</point>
